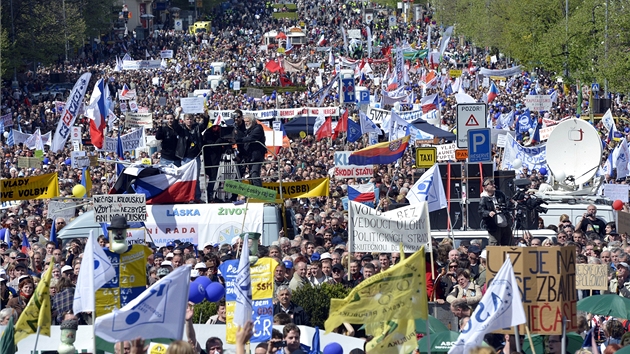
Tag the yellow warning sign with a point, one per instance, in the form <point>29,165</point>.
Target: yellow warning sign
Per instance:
<point>426,157</point>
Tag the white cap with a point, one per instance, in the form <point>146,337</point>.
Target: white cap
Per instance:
<point>208,244</point>
<point>483,254</point>
<point>325,255</point>
<point>66,267</point>
<point>201,265</point>
<point>194,273</point>
<point>169,255</point>
<point>166,264</point>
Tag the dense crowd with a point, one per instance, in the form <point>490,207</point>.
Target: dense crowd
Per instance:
<point>315,252</point>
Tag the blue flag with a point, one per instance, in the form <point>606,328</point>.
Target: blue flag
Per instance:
<point>354,131</point>
<point>121,155</point>
<point>10,139</point>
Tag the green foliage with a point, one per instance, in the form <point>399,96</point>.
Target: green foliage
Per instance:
<point>535,34</point>
<point>316,301</point>
<point>289,15</point>
<point>290,7</point>
<point>203,311</point>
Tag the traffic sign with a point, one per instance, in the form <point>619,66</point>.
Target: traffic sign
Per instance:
<point>346,87</point>
<point>479,145</point>
<point>426,157</point>
<point>364,97</point>
<point>470,116</point>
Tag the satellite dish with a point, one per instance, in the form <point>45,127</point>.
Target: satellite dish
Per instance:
<point>574,150</point>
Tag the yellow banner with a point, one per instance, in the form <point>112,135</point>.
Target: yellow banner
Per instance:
<point>396,294</point>
<point>304,189</point>
<point>455,73</point>
<point>393,337</point>
<point>36,187</point>
<point>37,312</point>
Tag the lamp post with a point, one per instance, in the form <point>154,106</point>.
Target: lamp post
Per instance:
<point>606,51</point>
<point>65,29</point>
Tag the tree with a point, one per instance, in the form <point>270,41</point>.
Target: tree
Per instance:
<point>316,300</point>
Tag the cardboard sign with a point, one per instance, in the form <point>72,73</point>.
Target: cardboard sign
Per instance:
<point>446,152</point>
<point>623,222</point>
<point>61,208</point>
<point>29,162</point>
<point>192,104</point>
<point>547,281</point>
<point>131,206</point>
<point>591,276</point>
<point>616,192</point>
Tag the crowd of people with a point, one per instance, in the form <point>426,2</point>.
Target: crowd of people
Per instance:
<point>316,251</point>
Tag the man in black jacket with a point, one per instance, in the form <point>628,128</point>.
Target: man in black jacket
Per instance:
<point>172,149</point>
<point>194,140</point>
<point>250,138</point>
<point>285,305</point>
<point>494,202</point>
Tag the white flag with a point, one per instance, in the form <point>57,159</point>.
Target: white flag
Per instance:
<point>71,110</point>
<point>495,311</point>
<point>243,289</point>
<point>398,127</point>
<point>157,313</point>
<point>92,278</point>
<point>608,120</point>
<point>367,125</point>
<point>429,188</point>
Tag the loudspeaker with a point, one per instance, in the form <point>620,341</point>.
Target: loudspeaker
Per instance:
<point>439,219</point>
<point>601,105</point>
<point>475,176</point>
<point>472,217</point>
<point>455,180</point>
<point>56,78</point>
<point>504,181</point>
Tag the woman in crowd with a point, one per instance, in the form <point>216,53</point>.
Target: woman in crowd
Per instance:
<point>465,289</point>
<point>26,288</point>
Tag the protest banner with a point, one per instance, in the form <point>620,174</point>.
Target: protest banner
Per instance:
<point>133,140</point>
<point>36,187</point>
<point>375,231</point>
<point>546,132</point>
<point>138,120</point>
<point>285,113</point>
<point>262,284</point>
<point>538,102</point>
<point>547,282</point>
<point>616,192</point>
<point>141,64</point>
<point>166,54</point>
<point>248,190</point>
<point>532,157</point>
<point>591,276</point>
<point>61,208</point>
<point>303,189</point>
<point>192,104</point>
<point>29,162</point>
<point>132,206</point>
<point>446,152</point>
<point>623,222</point>
<point>343,169</point>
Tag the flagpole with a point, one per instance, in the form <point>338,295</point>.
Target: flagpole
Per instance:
<point>37,339</point>
<point>350,237</point>
<point>564,334</point>
<point>531,342</point>
<point>428,336</point>
<point>243,225</point>
<point>517,339</point>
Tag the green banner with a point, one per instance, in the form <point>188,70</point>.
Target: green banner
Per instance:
<point>248,190</point>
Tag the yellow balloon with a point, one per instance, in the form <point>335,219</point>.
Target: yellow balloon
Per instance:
<point>78,191</point>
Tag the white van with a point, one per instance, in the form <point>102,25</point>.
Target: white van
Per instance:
<point>575,207</point>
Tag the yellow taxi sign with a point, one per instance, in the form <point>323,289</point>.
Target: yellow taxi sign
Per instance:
<point>426,157</point>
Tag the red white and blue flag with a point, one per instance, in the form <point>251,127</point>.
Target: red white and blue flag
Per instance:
<point>429,103</point>
<point>97,111</point>
<point>361,193</point>
<point>493,92</point>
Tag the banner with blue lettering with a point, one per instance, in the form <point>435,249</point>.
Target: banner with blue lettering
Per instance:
<point>262,295</point>
<point>532,157</point>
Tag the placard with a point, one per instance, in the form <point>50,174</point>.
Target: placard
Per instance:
<point>254,92</point>
<point>616,192</point>
<point>191,104</point>
<point>166,54</point>
<point>591,276</point>
<point>132,206</point>
<point>61,209</point>
<point>375,231</point>
<point>501,140</point>
<point>137,120</point>
<point>29,162</point>
<point>75,133</point>
<point>623,222</point>
<point>547,281</point>
<point>538,102</point>
<point>446,152</point>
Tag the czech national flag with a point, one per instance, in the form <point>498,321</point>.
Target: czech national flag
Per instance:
<point>429,103</point>
<point>361,193</point>
<point>25,245</point>
<point>493,92</point>
<point>380,154</point>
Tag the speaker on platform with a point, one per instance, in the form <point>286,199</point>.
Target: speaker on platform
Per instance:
<point>439,218</point>
<point>475,176</point>
<point>504,181</point>
<point>455,180</point>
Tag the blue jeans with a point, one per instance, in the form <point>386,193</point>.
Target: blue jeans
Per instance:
<point>166,162</point>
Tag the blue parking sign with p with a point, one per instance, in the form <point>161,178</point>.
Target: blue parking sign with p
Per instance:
<point>364,97</point>
<point>479,145</point>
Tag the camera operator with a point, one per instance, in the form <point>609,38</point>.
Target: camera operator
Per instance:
<point>173,148</point>
<point>250,138</point>
<point>493,211</point>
